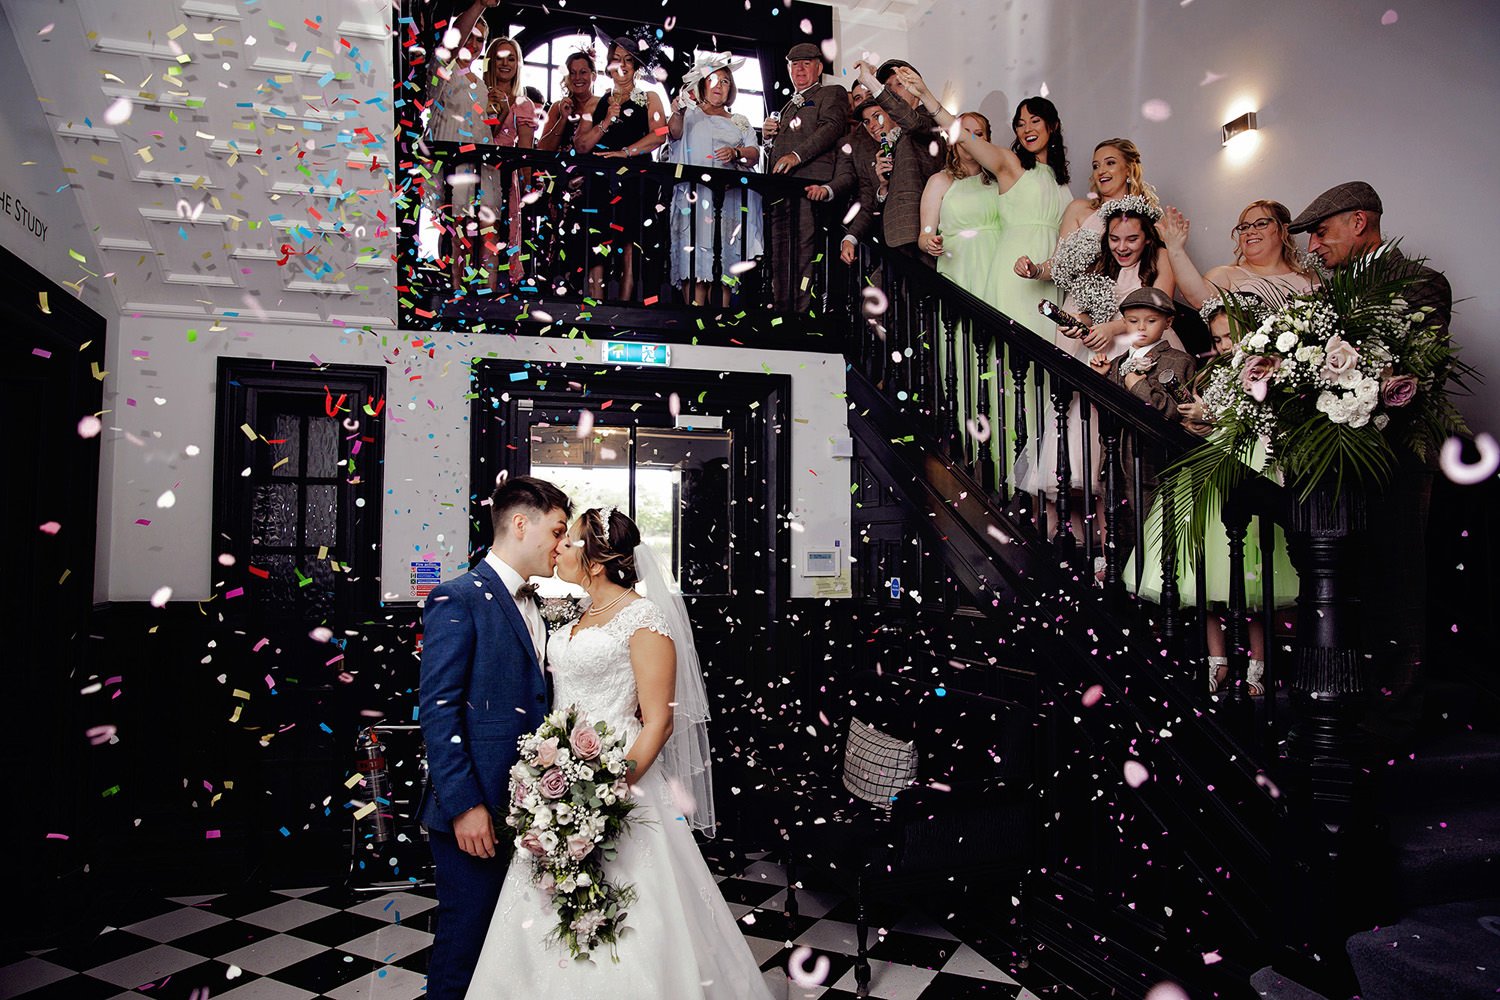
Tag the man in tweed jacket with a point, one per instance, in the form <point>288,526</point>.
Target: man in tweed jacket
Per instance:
<point>811,126</point>
<point>918,152</point>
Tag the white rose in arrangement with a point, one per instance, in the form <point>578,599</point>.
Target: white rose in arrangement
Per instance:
<point>607,796</point>
<point>541,817</point>
<point>1257,342</point>
<point>1286,342</point>
<point>586,773</point>
<point>549,840</point>
<point>564,813</point>
<point>1311,354</point>
<point>1380,420</point>
<point>563,756</point>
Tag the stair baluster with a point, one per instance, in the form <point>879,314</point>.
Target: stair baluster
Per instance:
<point>985,469</point>
<point>1018,365</point>
<point>1171,618</point>
<point>1086,441</point>
<point>1062,535</point>
<point>1109,430</point>
<point>952,439</point>
<point>1236,517</point>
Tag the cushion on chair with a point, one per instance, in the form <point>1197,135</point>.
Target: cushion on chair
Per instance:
<point>876,764</point>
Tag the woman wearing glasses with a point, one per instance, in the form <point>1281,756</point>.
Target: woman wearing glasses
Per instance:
<point>1267,261</point>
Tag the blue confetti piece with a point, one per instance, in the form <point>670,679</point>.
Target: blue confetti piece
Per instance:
<point>324,726</point>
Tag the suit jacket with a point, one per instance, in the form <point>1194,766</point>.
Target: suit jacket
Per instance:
<point>1430,290</point>
<point>481,689</point>
<point>918,154</point>
<point>854,178</point>
<point>1149,390</point>
<point>813,131</point>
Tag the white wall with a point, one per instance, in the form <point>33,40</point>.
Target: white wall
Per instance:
<point>426,446</point>
<point>1412,107</point>
<point>30,173</point>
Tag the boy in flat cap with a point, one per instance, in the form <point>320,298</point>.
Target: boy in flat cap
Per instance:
<point>1153,370</point>
<point>803,137</point>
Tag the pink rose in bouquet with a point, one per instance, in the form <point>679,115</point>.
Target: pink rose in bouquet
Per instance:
<point>518,792</point>
<point>554,783</point>
<point>1339,360</point>
<point>1398,391</point>
<point>585,742</point>
<point>546,752</point>
<point>533,843</point>
<point>1257,373</point>
<point>579,846</point>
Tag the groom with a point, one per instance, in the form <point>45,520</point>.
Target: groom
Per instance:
<point>482,687</point>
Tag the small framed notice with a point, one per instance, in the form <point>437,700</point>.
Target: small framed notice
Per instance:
<point>820,562</point>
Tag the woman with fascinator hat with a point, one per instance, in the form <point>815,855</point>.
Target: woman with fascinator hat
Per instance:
<point>706,132</point>
<point>629,661</point>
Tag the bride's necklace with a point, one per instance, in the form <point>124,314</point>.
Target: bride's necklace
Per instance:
<point>617,600</point>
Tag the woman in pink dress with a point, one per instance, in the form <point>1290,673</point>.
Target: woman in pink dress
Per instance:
<point>512,119</point>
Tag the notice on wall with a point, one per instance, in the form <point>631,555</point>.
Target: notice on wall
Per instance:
<point>425,576</point>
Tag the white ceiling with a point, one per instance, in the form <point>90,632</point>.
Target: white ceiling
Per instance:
<point>192,198</point>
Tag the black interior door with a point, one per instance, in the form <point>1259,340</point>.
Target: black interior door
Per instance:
<point>47,516</point>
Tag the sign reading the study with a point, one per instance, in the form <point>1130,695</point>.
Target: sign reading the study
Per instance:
<point>622,352</point>
<point>21,213</point>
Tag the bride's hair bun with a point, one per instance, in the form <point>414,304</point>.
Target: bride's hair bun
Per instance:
<point>611,542</point>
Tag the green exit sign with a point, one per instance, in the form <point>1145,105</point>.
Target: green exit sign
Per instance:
<point>622,352</point>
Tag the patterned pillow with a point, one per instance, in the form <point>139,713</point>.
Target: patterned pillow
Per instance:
<point>877,765</point>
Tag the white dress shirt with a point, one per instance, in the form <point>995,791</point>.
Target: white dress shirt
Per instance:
<point>530,613</point>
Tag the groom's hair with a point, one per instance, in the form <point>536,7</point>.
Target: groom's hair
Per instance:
<point>525,493</point>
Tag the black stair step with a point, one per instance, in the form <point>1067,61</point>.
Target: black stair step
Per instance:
<point>1448,853</point>
<point>1450,951</point>
<point>1459,767</point>
<point>1457,706</point>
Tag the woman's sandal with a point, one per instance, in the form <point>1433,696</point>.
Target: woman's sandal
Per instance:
<point>1255,675</point>
<point>1216,665</point>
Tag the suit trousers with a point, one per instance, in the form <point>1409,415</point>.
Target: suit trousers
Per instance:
<point>793,243</point>
<point>468,889</point>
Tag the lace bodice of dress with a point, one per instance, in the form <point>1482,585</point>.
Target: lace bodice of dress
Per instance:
<point>592,668</point>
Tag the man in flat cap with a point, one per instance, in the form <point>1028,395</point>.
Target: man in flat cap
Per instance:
<point>917,149</point>
<point>803,138</point>
<point>1343,226</point>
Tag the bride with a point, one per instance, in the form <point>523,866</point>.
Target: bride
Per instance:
<point>630,661</point>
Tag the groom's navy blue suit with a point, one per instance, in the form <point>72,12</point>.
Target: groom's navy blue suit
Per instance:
<point>481,689</point>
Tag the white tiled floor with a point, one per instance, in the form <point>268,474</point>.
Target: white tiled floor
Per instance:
<point>891,982</point>
<point>389,944</point>
<point>176,924</point>
<point>968,962</point>
<point>388,906</point>
<point>276,952</point>
<point>29,974</point>
<point>387,984</point>
<point>145,966</point>
<point>265,989</point>
<point>285,916</point>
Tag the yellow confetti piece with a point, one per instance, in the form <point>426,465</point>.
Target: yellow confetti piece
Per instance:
<point>42,303</point>
<point>177,32</point>
<point>99,373</point>
<point>78,256</point>
<point>62,579</point>
<point>249,431</point>
<point>235,716</point>
<point>322,552</point>
<point>364,810</point>
<point>354,779</point>
<point>242,693</point>
<point>145,154</point>
<point>281,463</point>
<point>101,160</point>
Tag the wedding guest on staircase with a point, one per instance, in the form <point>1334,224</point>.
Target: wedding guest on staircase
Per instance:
<point>512,120</point>
<point>706,132</point>
<point>630,121</point>
<point>916,146</point>
<point>1343,227</point>
<point>803,136</point>
<point>862,173</point>
<point>568,113</point>
<point>1266,262</point>
<point>575,106</point>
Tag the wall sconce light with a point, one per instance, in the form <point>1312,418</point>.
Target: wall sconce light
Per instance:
<point>1241,125</point>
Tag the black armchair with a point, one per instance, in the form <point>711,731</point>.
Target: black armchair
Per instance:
<point>967,821</point>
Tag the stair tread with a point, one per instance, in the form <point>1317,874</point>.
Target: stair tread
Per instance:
<point>1451,950</point>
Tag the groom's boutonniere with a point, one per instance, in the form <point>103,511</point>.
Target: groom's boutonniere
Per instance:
<point>559,611</point>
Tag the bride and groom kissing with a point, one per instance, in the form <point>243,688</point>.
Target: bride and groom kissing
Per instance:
<point>490,675</point>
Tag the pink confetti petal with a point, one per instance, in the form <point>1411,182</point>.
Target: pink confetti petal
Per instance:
<point>1451,460</point>
<point>90,427</point>
<point>1092,695</point>
<point>1136,774</point>
<point>1389,17</point>
<point>50,528</point>
<point>1156,110</point>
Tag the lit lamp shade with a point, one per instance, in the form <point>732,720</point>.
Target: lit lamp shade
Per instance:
<point>1240,126</point>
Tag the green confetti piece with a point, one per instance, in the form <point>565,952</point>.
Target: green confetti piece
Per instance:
<point>192,336</point>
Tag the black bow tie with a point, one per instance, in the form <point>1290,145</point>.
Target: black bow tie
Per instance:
<point>526,591</point>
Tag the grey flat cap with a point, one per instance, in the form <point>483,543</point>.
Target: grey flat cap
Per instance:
<point>804,50</point>
<point>1349,196</point>
<point>1147,297</point>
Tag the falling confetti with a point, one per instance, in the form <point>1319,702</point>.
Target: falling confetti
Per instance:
<point>1136,774</point>
<point>1389,17</point>
<point>1451,460</point>
<point>1156,110</point>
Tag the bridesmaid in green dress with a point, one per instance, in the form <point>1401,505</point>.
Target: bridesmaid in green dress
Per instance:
<point>1030,189</point>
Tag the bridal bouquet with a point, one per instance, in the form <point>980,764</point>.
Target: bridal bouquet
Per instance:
<point>569,804</point>
<point>1334,381</point>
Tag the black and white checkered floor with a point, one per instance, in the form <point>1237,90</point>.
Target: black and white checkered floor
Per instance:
<point>296,943</point>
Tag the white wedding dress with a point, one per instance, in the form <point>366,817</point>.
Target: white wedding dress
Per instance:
<point>681,941</point>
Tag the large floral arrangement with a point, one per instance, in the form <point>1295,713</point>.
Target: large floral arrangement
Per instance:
<point>569,804</point>
<point>1335,382</point>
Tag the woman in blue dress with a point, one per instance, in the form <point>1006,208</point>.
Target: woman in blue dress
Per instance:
<point>706,133</point>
